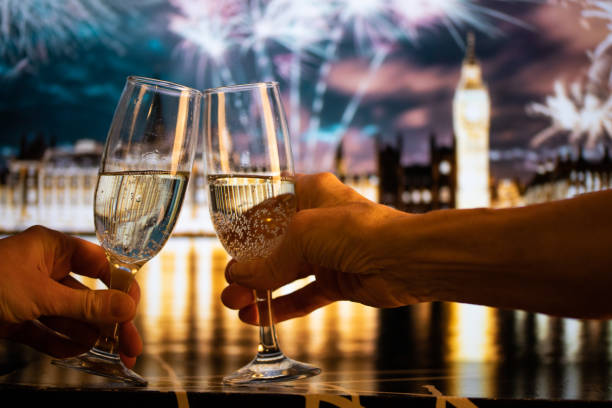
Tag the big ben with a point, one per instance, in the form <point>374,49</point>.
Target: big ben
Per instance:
<point>471,117</point>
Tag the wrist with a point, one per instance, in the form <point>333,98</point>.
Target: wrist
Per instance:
<point>435,255</point>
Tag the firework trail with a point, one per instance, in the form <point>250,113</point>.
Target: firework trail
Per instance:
<point>316,28</point>
<point>377,25</point>
<point>585,110</point>
<point>601,55</point>
<point>367,19</point>
<point>296,26</point>
<point>208,30</point>
<point>33,31</point>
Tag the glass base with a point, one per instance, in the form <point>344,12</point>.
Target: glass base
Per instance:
<point>101,363</point>
<point>271,368</point>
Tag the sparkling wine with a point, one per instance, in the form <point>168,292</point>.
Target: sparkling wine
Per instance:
<point>250,213</point>
<point>135,212</point>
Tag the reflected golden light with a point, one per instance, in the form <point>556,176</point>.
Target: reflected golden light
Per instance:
<point>185,326</point>
<point>317,322</point>
<point>471,333</point>
<point>150,280</point>
<point>471,339</point>
<point>289,333</point>
<point>179,281</point>
<point>203,250</point>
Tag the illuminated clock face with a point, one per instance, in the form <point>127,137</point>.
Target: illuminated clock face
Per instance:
<point>475,106</point>
<point>474,112</point>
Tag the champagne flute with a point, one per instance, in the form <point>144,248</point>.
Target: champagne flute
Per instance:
<point>142,180</point>
<point>252,199</point>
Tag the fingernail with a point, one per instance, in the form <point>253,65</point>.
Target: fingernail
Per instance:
<point>121,304</point>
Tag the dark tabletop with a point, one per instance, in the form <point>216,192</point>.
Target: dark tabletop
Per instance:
<point>431,355</point>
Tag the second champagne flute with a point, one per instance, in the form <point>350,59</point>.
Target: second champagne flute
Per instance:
<point>141,185</point>
<point>252,199</point>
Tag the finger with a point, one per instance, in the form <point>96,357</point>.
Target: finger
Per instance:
<point>134,291</point>
<point>89,259</point>
<point>237,297</point>
<point>321,190</point>
<point>65,253</point>
<point>296,304</point>
<point>227,268</point>
<point>93,306</point>
<point>78,331</point>
<point>43,339</point>
<point>130,342</point>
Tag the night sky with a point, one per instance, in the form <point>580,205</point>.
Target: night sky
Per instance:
<point>71,94</point>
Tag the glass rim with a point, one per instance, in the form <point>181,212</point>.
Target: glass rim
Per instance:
<point>165,85</point>
<point>241,87</point>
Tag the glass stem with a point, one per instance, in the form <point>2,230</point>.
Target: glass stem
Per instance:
<point>268,343</point>
<point>121,278</point>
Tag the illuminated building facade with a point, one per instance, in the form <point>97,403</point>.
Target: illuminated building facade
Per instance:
<point>55,187</point>
<point>507,193</point>
<point>365,184</point>
<point>471,117</point>
<point>416,188</point>
<point>566,177</point>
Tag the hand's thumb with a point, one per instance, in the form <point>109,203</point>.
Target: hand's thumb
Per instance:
<point>94,306</point>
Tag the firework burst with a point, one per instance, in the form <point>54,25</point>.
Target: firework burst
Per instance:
<point>377,25</point>
<point>574,111</point>
<point>208,30</point>
<point>35,30</point>
<point>312,31</point>
<point>584,111</point>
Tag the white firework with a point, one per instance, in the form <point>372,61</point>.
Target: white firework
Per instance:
<point>602,57</point>
<point>296,26</point>
<point>208,30</point>
<point>585,111</point>
<point>377,25</point>
<point>38,29</point>
<point>576,112</point>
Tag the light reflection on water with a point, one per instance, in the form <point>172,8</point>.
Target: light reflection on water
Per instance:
<point>181,297</point>
<point>483,351</point>
<point>181,289</point>
<point>180,307</point>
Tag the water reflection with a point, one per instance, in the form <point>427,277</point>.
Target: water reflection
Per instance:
<point>460,349</point>
<point>182,319</point>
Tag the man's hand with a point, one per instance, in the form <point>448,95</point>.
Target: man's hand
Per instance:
<point>337,236</point>
<point>42,306</point>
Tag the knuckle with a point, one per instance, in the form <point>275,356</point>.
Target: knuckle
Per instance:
<point>325,178</point>
<point>37,230</point>
<point>91,304</point>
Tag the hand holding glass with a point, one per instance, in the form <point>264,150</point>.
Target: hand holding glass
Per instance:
<point>142,180</point>
<point>252,200</point>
